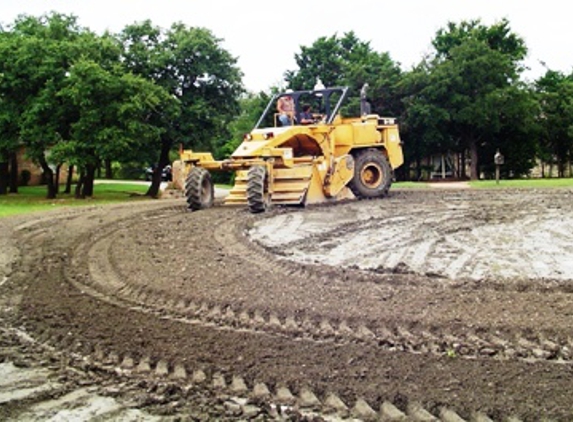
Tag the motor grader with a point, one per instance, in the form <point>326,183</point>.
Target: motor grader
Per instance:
<point>332,158</point>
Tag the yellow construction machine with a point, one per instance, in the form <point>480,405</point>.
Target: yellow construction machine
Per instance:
<point>332,158</point>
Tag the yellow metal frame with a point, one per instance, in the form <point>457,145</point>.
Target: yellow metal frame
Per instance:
<point>295,175</point>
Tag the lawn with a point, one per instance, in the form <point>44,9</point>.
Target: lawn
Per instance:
<point>33,198</point>
<point>523,183</point>
<point>492,184</point>
<point>410,185</point>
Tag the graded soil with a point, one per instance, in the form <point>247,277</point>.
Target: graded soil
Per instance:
<point>427,303</point>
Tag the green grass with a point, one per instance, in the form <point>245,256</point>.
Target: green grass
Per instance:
<point>410,185</point>
<point>523,184</point>
<point>491,184</point>
<point>33,198</point>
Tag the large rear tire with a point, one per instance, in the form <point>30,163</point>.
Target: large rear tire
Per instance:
<point>372,174</point>
<point>258,197</point>
<point>199,189</point>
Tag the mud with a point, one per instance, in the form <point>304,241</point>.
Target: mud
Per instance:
<point>425,304</point>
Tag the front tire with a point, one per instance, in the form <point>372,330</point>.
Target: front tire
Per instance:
<point>372,174</point>
<point>258,197</point>
<point>199,189</point>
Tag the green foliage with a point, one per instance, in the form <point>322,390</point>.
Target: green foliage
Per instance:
<point>113,108</point>
<point>518,135</point>
<point>555,93</point>
<point>497,37</point>
<point>190,65</point>
<point>41,51</point>
<point>468,97</point>
<point>347,61</point>
<point>128,170</point>
<point>44,51</point>
<point>71,96</point>
<point>424,124</point>
<point>252,107</point>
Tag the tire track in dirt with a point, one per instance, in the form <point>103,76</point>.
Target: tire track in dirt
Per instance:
<point>109,287</point>
<point>418,338</point>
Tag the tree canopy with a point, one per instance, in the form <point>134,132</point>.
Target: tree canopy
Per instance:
<point>348,61</point>
<point>555,93</point>
<point>190,65</point>
<point>71,96</point>
<point>464,96</point>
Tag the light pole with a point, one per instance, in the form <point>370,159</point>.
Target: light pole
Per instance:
<point>498,159</point>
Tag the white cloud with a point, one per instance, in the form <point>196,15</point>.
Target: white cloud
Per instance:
<point>266,35</point>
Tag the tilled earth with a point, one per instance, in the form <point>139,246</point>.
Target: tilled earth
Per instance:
<point>426,305</point>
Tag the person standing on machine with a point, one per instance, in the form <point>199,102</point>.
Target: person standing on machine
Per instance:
<point>285,108</point>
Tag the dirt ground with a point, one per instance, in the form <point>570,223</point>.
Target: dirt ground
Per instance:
<point>427,305</point>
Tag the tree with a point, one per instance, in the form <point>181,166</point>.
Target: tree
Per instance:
<point>517,136</point>
<point>555,93</point>
<point>9,140</point>
<point>72,96</point>
<point>113,117</point>
<point>251,108</point>
<point>190,65</point>
<point>424,125</point>
<point>323,59</point>
<point>467,82</point>
<point>42,51</point>
<point>348,61</point>
<point>497,37</point>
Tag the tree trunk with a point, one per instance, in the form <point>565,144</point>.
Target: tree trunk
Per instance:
<point>4,175</point>
<point>69,179</point>
<point>474,168</point>
<point>57,178</point>
<point>79,187</point>
<point>108,170</point>
<point>561,168</point>
<point>13,172</point>
<point>418,175</point>
<point>153,190</point>
<point>88,188</point>
<point>49,178</point>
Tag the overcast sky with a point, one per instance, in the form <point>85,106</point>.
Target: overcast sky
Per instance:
<point>265,35</point>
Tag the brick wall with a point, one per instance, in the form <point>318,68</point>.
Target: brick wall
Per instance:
<point>25,163</point>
